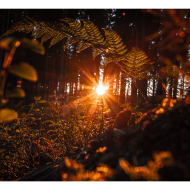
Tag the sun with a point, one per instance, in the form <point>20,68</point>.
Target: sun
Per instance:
<point>100,90</point>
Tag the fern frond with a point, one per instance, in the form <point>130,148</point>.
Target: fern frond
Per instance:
<point>94,35</point>
<point>96,52</point>
<point>133,64</point>
<point>56,39</point>
<point>20,27</point>
<point>137,63</point>
<point>82,46</point>
<point>114,41</point>
<point>43,30</point>
<point>76,27</point>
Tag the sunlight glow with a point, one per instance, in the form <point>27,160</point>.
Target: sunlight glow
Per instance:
<point>100,90</point>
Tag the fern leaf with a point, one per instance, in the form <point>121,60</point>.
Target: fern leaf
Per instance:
<point>83,46</point>
<point>136,63</point>
<point>114,42</point>
<point>56,39</point>
<point>96,52</point>
<point>94,35</point>
<point>76,27</point>
<point>47,36</point>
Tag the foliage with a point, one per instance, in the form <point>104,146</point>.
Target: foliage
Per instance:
<point>137,64</point>
<point>23,70</point>
<point>102,172</point>
<point>175,30</point>
<point>149,172</point>
<point>136,111</point>
<point>49,131</point>
<point>172,41</point>
<point>86,34</point>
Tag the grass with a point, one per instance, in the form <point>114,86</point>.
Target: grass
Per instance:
<point>46,132</point>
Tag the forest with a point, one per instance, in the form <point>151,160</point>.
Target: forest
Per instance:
<point>94,94</point>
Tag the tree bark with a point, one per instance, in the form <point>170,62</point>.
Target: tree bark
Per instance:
<point>143,89</point>
<point>122,90</point>
<point>133,93</point>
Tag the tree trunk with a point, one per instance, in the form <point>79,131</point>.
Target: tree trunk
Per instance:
<point>143,89</point>
<point>175,85</point>
<point>133,93</point>
<point>117,87</point>
<point>160,93</point>
<point>122,90</point>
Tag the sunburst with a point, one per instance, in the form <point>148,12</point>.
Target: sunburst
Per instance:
<point>100,90</point>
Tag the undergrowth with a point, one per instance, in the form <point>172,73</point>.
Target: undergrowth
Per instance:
<point>47,132</point>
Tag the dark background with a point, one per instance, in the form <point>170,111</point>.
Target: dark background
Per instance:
<point>133,25</point>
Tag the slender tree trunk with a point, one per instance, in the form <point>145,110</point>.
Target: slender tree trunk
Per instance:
<point>133,93</point>
<point>159,92</point>
<point>122,90</point>
<point>182,88</point>
<point>71,89</point>
<point>117,87</point>
<point>175,86</point>
<point>153,93</point>
<point>143,89</point>
<point>171,85</point>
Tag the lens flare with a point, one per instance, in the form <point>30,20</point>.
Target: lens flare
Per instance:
<point>100,90</point>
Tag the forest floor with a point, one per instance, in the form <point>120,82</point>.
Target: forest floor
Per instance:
<point>155,148</point>
<point>46,131</point>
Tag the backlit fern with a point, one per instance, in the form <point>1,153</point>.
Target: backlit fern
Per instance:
<point>136,64</point>
<point>115,49</point>
<point>86,34</point>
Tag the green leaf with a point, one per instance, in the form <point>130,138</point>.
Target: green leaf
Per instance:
<point>7,115</point>
<point>33,45</point>
<point>25,71</point>
<point>16,92</point>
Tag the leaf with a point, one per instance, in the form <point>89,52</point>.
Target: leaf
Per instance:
<point>32,104</point>
<point>25,71</point>
<point>36,109</point>
<point>37,98</point>
<point>33,45</point>
<point>42,101</point>
<point>7,43</point>
<point>54,124</point>
<point>7,115</point>
<point>16,92</point>
<point>48,121</point>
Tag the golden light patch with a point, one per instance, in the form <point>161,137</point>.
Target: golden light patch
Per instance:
<point>101,149</point>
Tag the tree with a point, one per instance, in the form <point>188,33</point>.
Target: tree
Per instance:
<point>83,32</point>
<point>172,41</point>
